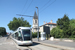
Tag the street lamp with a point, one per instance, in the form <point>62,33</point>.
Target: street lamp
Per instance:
<point>38,23</point>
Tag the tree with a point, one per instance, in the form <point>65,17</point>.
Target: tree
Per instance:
<point>72,28</point>
<point>65,28</point>
<point>63,24</point>
<point>57,33</point>
<point>2,31</point>
<point>17,22</point>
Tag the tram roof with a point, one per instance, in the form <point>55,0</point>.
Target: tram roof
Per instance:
<point>24,27</point>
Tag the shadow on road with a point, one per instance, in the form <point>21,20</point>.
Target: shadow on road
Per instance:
<point>34,44</point>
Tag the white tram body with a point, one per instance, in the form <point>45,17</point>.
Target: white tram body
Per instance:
<point>23,36</point>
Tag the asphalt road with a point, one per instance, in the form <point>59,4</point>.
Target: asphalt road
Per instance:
<point>8,44</point>
<point>38,46</point>
<point>61,43</point>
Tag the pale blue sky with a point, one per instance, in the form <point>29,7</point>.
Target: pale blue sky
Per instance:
<point>48,10</point>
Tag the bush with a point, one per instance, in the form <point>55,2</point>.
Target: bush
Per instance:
<point>57,33</point>
<point>2,31</point>
<point>34,35</point>
<point>73,34</point>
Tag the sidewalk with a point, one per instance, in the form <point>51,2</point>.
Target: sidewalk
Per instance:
<point>57,44</point>
<point>66,40</point>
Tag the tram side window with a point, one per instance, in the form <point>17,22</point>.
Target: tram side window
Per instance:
<point>20,36</point>
<point>16,35</point>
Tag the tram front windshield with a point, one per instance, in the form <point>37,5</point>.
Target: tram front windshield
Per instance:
<point>26,35</point>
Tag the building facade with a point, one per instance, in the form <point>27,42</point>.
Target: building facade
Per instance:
<point>35,23</point>
<point>51,25</point>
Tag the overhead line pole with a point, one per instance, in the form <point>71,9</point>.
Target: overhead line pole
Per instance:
<point>38,23</point>
<point>32,16</point>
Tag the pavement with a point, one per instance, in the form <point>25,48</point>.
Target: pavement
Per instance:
<point>57,44</point>
<point>7,44</point>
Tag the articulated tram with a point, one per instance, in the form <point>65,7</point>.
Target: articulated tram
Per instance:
<point>22,36</point>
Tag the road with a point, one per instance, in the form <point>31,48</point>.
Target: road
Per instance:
<point>9,44</point>
<point>38,46</point>
<point>61,43</point>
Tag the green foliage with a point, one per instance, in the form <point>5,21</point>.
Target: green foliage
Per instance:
<point>72,28</point>
<point>63,23</point>
<point>72,23</point>
<point>65,28</point>
<point>57,33</point>
<point>2,31</point>
<point>34,35</point>
<point>17,22</point>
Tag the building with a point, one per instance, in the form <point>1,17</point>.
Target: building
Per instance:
<point>35,23</point>
<point>51,25</point>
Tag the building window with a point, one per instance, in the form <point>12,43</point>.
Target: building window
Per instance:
<point>35,21</point>
<point>51,25</point>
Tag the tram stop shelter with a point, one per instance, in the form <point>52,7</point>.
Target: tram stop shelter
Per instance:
<point>43,36</point>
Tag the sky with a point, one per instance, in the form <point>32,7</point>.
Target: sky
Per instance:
<point>48,10</point>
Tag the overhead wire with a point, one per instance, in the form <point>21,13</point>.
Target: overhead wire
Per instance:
<point>42,6</point>
<point>24,6</point>
<point>48,6</point>
<point>29,5</point>
<point>45,4</point>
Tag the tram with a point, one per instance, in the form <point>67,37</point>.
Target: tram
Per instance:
<point>22,36</point>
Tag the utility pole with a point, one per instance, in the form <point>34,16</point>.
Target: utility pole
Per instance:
<point>38,23</point>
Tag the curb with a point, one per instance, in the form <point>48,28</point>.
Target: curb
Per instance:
<point>56,46</point>
<point>66,40</point>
